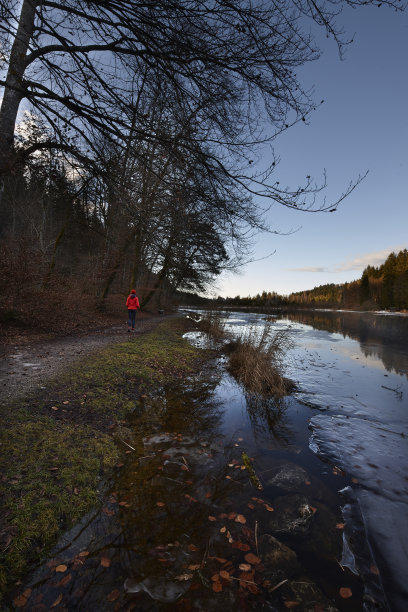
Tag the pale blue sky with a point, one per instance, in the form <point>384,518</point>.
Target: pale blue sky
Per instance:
<point>361,126</point>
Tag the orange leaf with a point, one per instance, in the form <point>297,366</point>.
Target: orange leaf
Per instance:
<point>307,482</point>
<point>192,547</point>
<point>61,568</point>
<point>83,553</point>
<point>339,525</point>
<point>232,515</point>
<point>160,504</point>
<point>251,506</point>
<point>20,601</point>
<point>223,529</point>
<point>217,587</point>
<point>225,575</point>
<point>105,561</point>
<point>355,480</point>
<point>220,560</point>
<point>241,546</point>
<point>269,508</point>
<point>345,592</point>
<point>252,588</point>
<point>245,567</point>
<point>212,518</point>
<point>194,567</point>
<point>108,512</point>
<point>184,467</point>
<point>374,570</point>
<point>208,495</point>
<point>291,604</point>
<point>64,581</point>
<point>57,601</point>
<point>113,595</point>
<point>251,558</point>
<point>240,519</point>
<point>215,578</point>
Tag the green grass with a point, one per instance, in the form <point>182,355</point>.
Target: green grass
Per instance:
<point>58,447</point>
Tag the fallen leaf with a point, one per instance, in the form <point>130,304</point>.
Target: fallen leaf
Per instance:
<point>20,601</point>
<point>345,592</point>
<point>57,601</point>
<point>194,567</point>
<point>215,578</point>
<point>307,482</point>
<point>291,604</point>
<point>160,504</point>
<point>108,512</point>
<point>245,567</point>
<point>339,525</point>
<point>223,529</point>
<point>105,561</point>
<point>66,402</point>
<point>212,518</point>
<point>61,568</point>
<point>217,587</point>
<point>241,546</point>
<point>355,480</point>
<point>252,588</point>
<point>374,570</point>
<point>120,465</point>
<point>125,504</point>
<point>269,508</point>
<point>113,595</point>
<point>232,515</point>
<point>54,408</point>
<point>208,495</point>
<point>251,558</point>
<point>252,506</point>
<point>225,575</point>
<point>192,547</point>
<point>240,519</point>
<point>228,477</point>
<point>184,467</point>
<point>64,581</point>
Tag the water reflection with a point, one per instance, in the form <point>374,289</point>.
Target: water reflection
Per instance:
<point>267,417</point>
<point>381,336</point>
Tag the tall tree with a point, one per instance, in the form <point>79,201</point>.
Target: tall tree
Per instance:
<point>80,64</point>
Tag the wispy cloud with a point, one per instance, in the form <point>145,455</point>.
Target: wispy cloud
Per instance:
<point>369,259</point>
<point>360,262</point>
<point>309,269</point>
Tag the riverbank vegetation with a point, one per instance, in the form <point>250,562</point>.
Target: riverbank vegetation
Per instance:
<point>256,361</point>
<point>60,446</point>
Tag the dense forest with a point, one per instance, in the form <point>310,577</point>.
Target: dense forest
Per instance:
<point>385,286</point>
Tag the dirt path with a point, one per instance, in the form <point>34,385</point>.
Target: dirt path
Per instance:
<point>26,367</point>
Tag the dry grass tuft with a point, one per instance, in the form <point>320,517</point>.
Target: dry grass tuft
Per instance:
<point>211,323</point>
<point>257,362</point>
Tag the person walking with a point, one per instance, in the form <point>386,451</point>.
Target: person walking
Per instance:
<point>132,304</point>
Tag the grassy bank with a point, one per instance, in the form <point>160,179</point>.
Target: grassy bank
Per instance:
<point>59,447</point>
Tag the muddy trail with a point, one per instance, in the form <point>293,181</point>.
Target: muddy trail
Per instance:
<point>26,365</point>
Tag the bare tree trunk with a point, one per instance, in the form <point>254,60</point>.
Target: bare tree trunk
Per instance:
<point>14,87</point>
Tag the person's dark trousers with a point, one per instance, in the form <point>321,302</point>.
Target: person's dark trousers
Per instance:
<point>131,318</point>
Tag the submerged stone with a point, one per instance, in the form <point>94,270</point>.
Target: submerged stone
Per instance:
<point>293,515</point>
<point>289,477</point>
<point>279,560</point>
<point>159,589</point>
<point>307,594</point>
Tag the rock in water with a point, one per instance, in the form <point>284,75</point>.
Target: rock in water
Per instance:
<point>159,589</point>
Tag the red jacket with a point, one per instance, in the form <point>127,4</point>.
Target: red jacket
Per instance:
<point>132,302</point>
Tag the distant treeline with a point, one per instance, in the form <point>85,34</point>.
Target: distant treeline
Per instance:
<point>382,287</point>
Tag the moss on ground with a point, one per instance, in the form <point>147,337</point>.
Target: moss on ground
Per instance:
<point>57,447</point>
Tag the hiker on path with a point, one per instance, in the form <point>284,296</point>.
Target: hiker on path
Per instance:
<point>132,304</point>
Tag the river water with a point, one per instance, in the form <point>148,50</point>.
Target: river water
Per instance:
<point>351,372</point>
<point>319,524</point>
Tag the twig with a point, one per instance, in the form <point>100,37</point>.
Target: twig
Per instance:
<point>278,585</point>
<point>256,537</point>
<point>185,461</point>
<point>127,444</point>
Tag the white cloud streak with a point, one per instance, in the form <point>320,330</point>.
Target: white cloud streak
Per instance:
<point>360,262</point>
